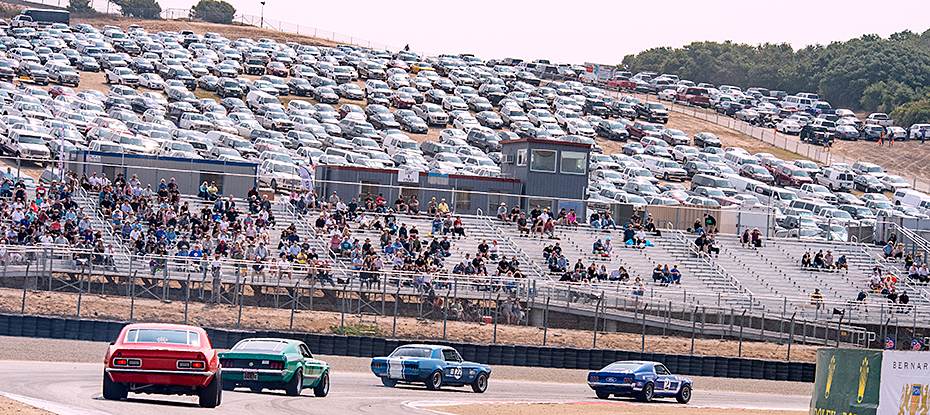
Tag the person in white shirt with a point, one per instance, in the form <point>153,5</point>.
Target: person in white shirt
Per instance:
<point>608,247</point>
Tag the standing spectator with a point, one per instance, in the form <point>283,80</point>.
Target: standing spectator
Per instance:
<point>215,266</point>
<point>710,223</point>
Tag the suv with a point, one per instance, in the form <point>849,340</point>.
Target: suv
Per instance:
<point>596,107</point>
<point>652,112</point>
<point>485,139</point>
<point>791,175</point>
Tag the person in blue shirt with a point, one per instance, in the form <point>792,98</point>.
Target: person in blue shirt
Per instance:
<point>675,275</point>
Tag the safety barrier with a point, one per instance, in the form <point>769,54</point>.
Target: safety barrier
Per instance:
<point>491,354</point>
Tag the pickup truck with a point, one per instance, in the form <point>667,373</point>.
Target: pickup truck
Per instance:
<point>621,82</point>
<point>652,112</point>
<point>693,96</point>
<point>275,120</point>
<point>22,21</point>
<point>27,145</point>
<point>816,191</point>
<point>879,118</point>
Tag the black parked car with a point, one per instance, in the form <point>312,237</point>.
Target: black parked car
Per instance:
<point>299,86</point>
<point>229,87</point>
<point>611,130</point>
<point>209,82</point>
<point>702,140</point>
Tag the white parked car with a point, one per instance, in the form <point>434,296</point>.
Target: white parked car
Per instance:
<point>152,81</point>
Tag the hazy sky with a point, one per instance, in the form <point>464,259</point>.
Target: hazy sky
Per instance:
<point>593,31</point>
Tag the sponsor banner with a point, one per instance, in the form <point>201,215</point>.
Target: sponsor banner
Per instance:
<point>905,383</point>
<point>847,382</point>
<point>408,176</point>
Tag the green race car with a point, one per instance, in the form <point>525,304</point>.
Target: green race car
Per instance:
<point>274,364</point>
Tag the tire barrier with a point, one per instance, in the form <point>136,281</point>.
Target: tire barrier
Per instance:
<point>492,354</point>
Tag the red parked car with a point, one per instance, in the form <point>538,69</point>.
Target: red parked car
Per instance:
<point>402,100</point>
<point>277,69</point>
<point>791,175</point>
<point>163,359</point>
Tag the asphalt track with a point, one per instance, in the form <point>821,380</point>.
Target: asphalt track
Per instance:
<point>74,388</point>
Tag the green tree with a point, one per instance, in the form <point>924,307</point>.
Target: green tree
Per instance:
<point>213,11</point>
<point>912,113</point>
<point>80,7</point>
<point>143,9</point>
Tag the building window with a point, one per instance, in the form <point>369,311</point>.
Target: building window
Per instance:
<point>521,157</point>
<point>573,162</point>
<point>543,160</point>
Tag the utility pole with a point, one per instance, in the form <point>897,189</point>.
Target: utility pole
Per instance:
<point>262,21</point>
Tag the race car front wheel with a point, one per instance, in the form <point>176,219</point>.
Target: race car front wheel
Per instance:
<point>684,395</point>
<point>435,381</point>
<point>113,391</point>
<point>646,394</point>
<point>480,384</point>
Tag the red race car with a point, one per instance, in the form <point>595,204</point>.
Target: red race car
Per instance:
<point>164,359</point>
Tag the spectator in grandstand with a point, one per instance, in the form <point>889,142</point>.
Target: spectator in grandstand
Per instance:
<point>756,238</point>
<point>817,299</point>
<point>640,236</point>
<point>493,251</point>
<point>841,263</point>
<point>888,250</point>
<point>595,220</point>
<point>549,229</point>
<point>744,238</point>
<point>443,207</point>
<point>629,234</point>
<point>608,248</point>
<point>828,261</point>
<point>710,223</point>
<point>700,244</point>
<point>657,275</point>
<point>523,225</point>
<point>502,213</point>
<point>571,219</point>
<point>712,247</point>
<point>619,274</point>
<point>458,228</point>
<point>675,275</point>
<point>806,260</point>
<point>899,251</point>
<point>861,301</point>
<point>607,221</point>
<point>818,259</point>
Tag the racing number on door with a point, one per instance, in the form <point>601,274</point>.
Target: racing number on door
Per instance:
<point>455,372</point>
<point>667,384</point>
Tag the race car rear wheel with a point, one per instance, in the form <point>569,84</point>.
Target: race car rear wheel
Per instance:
<point>113,391</point>
<point>602,394</point>
<point>480,384</point>
<point>322,388</point>
<point>296,384</point>
<point>434,382</point>
<point>646,394</point>
<point>684,395</point>
<point>211,394</point>
<point>388,382</point>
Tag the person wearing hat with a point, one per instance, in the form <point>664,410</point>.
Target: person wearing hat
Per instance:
<point>502,213</point>
<point>443,207</point>
<point>608,248</point>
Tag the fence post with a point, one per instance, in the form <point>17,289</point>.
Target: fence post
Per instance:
<point>643,344</point>
<point>693,328</point>
<point>546,321</point>
<point>597,309</point>
<point>26,285</point>
<point>497,308</point>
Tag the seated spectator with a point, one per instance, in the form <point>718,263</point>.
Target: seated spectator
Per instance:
<point>745,238</point>
<point>571,219</point>
<point>628,235</point>
<point>620,275</point>
<point>712,247</point>
<point>675,275</point>
<point>549,229</point>
<point>828,259</point>
<point>756,238</point>
<point>700,244</point>
<point>841,263</point>
<point>657,275</point>
<point>899,251</point>
<point>458,228</point>
<point>493,251</point>
<point>888,250</point>
<point>502,213</point>
<point>651,226</point>
<point>522,225</point>
<point>598,247</point>
<point>876,281</point>
<point>608,248</point>
<point>817,299</point>
<point>607,221</point>
<point>806,260</point>
<point>923,274</point>
<point>818,259</point>
<point>595,220</point>
<point>413,205</point>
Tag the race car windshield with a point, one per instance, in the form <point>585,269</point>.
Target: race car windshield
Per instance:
<point>181,337</point>
<point>621,367</point>
<point>260,346</point>
<point>412,352</point>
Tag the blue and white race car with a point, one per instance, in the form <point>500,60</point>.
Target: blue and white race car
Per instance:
<point>642,380</point>
<point>436,366</point>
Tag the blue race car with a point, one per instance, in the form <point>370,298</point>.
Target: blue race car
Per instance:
<point>642,380</point>
<point>436,366</point>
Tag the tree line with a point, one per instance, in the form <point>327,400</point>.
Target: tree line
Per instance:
<point>213,11</point>
<point>868,73</point>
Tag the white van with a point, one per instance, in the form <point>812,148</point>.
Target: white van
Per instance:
<point>798,103</point>
<point>736,160</point>
<point>745,185</point>
<point>257,98</point>
<point>835,179</point>
<point>912,197</point>
<point>397,143</point>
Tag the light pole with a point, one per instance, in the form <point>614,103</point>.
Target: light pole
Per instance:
<point>262,22</point>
